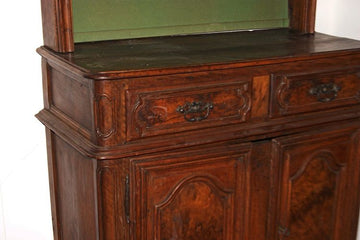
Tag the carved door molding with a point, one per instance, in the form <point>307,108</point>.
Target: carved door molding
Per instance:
<point>208,202</point>
<point>315,174</point>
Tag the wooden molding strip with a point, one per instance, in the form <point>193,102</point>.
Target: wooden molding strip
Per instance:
<point>245,132</point>
<point>67,65</point>
<point>57,25</point>
<point>302,15</point>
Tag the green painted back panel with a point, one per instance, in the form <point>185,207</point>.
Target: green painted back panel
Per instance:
<point>95,20</point>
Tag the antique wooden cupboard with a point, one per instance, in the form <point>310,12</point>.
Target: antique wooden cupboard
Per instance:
<point>225,136</point>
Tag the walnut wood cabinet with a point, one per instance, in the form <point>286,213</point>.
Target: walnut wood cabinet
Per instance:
<point>224,136</point>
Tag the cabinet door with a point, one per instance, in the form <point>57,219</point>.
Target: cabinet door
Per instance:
<point>191,195</point>
<point>318,185</point>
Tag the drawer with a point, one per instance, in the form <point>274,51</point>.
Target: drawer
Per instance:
<point>300,93</point>
<point>165,111</point>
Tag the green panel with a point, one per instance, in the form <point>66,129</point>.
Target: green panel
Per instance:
<point>120,19</point>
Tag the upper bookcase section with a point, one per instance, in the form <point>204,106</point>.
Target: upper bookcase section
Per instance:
<point>95,20</point>
<point>68,21</point>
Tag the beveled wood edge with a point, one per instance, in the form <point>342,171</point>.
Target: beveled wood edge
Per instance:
<point>354,155</point>
<point>67,66</point>
<point>73,124</point>
<point>53,58</point>
<point>234,132</point>
<point>53,185</point>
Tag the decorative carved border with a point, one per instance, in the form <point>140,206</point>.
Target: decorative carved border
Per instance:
<point>281,92</point>
<point>145,169</point>
<point>283,88</point>
<point>212,183</point>
<point>99,107</point>
<point>244,93</point>
<point>144,116</point>
<point>155,114</point>
<point>333,167</point>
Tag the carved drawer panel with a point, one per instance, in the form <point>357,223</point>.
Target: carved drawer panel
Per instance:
<point>298,93</point>
<point>169,111</point>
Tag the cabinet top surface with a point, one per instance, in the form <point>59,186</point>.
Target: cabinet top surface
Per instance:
<point>197,51</point>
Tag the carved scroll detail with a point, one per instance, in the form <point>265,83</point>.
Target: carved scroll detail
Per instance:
<point>147,116</point>
<point>325,156</point>
<point>244,94</point>
<point>281,93</point>
<point>171,110</point>
<point>105,117</point>
<point>183,200</point>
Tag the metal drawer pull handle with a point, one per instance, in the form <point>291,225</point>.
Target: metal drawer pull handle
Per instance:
<point>326,92</point>
<point>284,231</point>
<point>195,111</point>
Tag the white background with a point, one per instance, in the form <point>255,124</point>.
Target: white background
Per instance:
<point>24,194</point>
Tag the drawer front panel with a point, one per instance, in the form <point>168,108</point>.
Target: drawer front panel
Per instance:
<point>300,93</point>
<point>170,111</point>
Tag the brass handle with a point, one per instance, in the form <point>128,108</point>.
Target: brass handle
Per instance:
<point>195,111</point>
<point>326,92</point>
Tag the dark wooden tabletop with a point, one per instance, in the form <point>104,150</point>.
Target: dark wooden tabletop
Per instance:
<point>198,50</point>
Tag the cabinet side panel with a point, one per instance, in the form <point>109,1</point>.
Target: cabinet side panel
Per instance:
<point>53,184</point>
<point>72,98</point>
<point>75,192</point>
